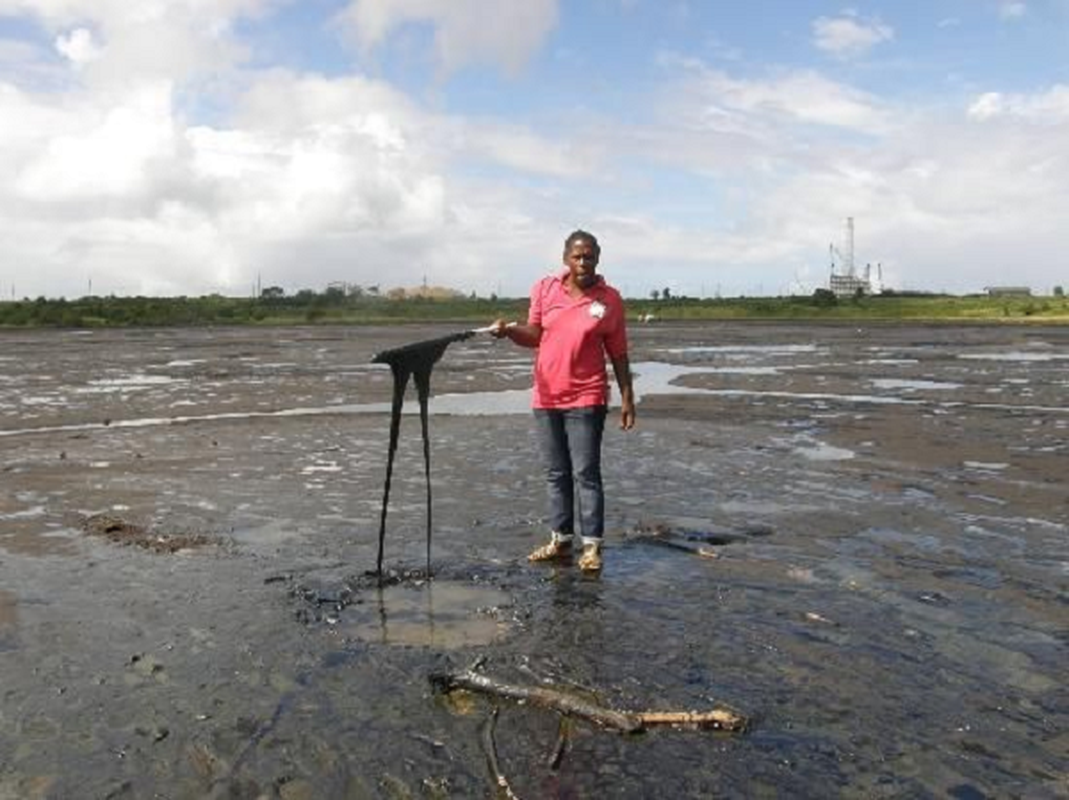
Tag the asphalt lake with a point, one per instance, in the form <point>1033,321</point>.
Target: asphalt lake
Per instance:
<point>857,537</point>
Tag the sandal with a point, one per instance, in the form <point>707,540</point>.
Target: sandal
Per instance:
<point>557,548</point>
<point>590,561</point>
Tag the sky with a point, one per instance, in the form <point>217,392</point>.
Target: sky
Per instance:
<point>188,147</point>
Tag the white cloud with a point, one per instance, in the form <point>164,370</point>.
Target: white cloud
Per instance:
<point>466,31</point>
<point>1050,106</point>
<point>849,36</point>
<point>1012,10</point>
<point>520,149</point>
<point>78,46</point>
<point>941,203</point>
<point>721,101</point>
<point>306,178</point>
<point>116,42</point>
<point>986,106</point>
<point>102,153</point>
<point>311,179</point>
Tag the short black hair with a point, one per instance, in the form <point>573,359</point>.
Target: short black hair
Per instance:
<point>582,236</point>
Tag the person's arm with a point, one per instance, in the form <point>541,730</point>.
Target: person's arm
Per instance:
<point>523,334</point>
<point>621,368</point>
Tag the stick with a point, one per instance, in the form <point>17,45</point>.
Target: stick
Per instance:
<point>560,747</point>
<point>625,722</point>
<point>718,719</point>
<point>501,783</point>
<point>549,698</point>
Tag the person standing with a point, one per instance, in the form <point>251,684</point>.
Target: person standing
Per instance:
<point>575,320</point>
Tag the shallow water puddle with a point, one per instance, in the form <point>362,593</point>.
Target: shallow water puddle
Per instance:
<point>650,377</point>
<point>127,383</point>
<point>9,618</point>
<point>1018,356</point>
<point>913,385</point>
<point>440,614</point>
<point>818,451</point>
<point>32,541</point>
<point>985,466</point>
<point>755,349</point>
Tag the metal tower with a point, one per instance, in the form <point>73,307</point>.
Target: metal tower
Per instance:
<point>848,249</point>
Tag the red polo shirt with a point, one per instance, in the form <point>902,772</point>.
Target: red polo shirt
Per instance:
<point>577,333</point>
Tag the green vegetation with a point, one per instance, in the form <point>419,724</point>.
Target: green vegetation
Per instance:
<point>272,308</point>
<point>823,305</point>
<point>335,306</point>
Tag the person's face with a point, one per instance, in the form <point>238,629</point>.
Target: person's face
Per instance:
<point>582,262</point>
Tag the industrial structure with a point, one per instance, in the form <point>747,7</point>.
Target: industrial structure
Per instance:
<point>845,280</point>
<point>1008,291</point>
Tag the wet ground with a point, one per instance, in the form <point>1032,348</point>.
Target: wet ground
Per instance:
<point>857,537</point>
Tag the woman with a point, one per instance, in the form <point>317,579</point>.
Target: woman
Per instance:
<point>575,320</point>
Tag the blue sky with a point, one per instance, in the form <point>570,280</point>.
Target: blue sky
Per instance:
<point>187,146</point>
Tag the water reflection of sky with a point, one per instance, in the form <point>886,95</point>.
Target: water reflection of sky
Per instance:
<point>747,349</point>
<point>1017,355</point>
<point>652,377</point>
<point>912,385</point>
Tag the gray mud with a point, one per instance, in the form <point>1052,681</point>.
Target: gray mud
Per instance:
<point>857,537</point>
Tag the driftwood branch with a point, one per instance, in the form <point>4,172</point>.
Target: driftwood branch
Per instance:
<point>560,747</point>
<point>540,696</point>
<point>718,719</point>
<point>621,721</point>
<point>501,784</point>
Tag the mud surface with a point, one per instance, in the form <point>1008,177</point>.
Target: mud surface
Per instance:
<point>858,537</point>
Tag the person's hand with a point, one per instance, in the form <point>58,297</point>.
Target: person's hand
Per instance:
<point>498,328</point>
<point>627,416</point>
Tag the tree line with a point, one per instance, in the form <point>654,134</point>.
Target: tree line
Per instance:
<point>273,306</point>
<point>369,306</point>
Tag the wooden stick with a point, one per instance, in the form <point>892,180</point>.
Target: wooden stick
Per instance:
<point>500,782</point>
<point>622,721</point>
<point>560,747</point>
<point>538,695</point>
<point>718,718</point>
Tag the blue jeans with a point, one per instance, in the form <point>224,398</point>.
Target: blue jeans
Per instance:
<point>570,439</point>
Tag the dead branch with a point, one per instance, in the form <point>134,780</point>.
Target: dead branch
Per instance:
<point>501,783</point>
<point>560,747</point>
<point>718,719</point>
<point>538,695</point>
<point>570,705</point>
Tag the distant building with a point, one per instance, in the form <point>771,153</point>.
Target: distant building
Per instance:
<point>844,280</point>
<point>848,285</point>
<point>1008,291</point>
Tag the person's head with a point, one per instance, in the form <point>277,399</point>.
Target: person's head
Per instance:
<point>581,255</point>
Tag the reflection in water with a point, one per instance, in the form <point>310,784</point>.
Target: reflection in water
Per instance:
<point>759,349</point>
<point>574,590</point>
<point>1018,356</point>
<point>8,620</point>
<point>650,378</point>
<point>578,610</point>
<point>439,614</point>
<point>913,385</point>
<point>818,451</point>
